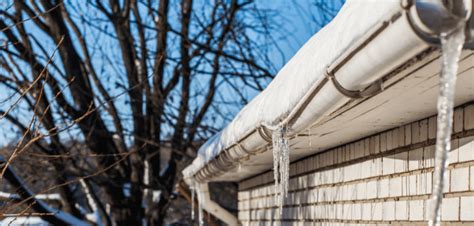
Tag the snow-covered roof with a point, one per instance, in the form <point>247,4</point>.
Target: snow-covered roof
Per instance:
<point>367,41</point>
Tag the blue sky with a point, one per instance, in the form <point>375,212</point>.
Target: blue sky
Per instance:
<point>297,19</point>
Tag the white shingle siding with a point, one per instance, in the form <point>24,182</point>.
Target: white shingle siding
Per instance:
<point>384,179</point>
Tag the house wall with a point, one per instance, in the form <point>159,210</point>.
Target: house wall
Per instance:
<point>381,179</point>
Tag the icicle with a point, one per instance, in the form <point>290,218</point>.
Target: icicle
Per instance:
<point>451,43</point>
<point>146,178</point>
<point>276,161</point>
<point>281,165</point>
<point>192,201</point>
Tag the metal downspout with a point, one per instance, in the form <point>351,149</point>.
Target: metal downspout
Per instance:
<point>429,18</point>
<point>215,209</point>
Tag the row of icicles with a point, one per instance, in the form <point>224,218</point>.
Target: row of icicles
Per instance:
<point>196,189</point>
<point>452,43</point>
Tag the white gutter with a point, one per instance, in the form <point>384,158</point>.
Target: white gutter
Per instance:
<point>335,66</point>
<point>301,92</point>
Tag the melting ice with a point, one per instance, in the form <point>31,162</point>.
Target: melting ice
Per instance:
<point>451,43</point>
<point>192,202</point>
<point>281,164</point>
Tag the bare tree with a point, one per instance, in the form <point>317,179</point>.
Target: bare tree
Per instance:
<point>318,12</point>
<point>102,89</point>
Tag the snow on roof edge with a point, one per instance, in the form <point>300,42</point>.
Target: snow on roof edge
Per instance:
<point>308,64</point>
